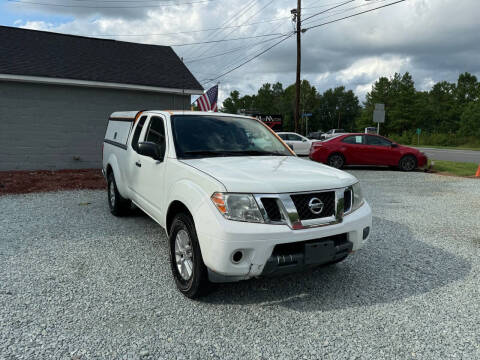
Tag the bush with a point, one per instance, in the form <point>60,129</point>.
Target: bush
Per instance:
<point>436,139</point>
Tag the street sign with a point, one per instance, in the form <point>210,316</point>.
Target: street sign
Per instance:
<point>419,131</point>
<point>379,113</point>
<point>307,115</point>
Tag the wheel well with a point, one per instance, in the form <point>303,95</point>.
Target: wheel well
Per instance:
<point>109,170</point>
<point>175,208</point>
<point>337,153</point>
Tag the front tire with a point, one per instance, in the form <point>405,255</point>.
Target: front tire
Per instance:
<point>408,163</point>
<point>188,269</point>
<point>119,206</point>
<point>336,161</point>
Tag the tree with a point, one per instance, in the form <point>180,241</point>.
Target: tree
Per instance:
<point>468,88</point>
<point>470,120</point>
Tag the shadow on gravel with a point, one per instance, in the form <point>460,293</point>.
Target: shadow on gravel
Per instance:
<point>393,266</point>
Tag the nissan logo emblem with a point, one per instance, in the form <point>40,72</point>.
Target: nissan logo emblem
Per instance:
<point>315,205</point>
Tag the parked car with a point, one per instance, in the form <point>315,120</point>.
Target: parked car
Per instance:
<point>316,135</point>
<point>298,143</point>
<point>235,201</point>
<point>370,130</point>
<point>333,132</point>
<point>366,149</point>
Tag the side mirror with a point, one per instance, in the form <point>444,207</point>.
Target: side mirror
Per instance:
<point>304,140</point>
<point>150,149</point>
<point>394,145</point>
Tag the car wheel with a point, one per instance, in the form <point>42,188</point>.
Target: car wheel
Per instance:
<point>188,269</point>
<point>408,163</point>
<point>118,205</point>
<point>336,160</point>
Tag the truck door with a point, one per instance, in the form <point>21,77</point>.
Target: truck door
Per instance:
<point>150,189</point>
<point>132,162</point>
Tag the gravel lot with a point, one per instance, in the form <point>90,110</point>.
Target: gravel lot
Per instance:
<point>77,283</point>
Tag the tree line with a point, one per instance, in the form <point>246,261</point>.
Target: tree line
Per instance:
<point>448,114</point>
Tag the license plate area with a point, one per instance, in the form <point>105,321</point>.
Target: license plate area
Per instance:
<point>319,252</point>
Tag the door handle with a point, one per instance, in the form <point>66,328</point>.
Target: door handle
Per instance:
<point>138,164</point>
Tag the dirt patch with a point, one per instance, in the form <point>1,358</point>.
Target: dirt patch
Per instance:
<point>21,182</point>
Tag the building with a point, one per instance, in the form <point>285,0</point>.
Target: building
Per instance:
<point>57,91</point>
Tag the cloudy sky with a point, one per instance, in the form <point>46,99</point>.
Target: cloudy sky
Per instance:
<point>433,39</point>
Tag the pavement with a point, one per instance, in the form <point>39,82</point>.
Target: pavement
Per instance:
<point>470,156</point>
<point>77,283</point>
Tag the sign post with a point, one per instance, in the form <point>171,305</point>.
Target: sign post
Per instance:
<point>379,115</point>
<point>306,116</point>
<point>419,131</point>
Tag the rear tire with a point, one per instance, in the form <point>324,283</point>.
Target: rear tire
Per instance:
<point>119,206</point>
<point>336,161</point>
<point>408,163</point>
<point>188,269</point>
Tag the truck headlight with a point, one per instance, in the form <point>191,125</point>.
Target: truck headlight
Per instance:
<point>358,199</point>
<point>238,207</point>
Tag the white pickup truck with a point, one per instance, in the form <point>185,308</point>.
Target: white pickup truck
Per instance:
<point>235,201</point>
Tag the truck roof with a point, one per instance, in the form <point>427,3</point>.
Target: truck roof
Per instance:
<point>132,115</point>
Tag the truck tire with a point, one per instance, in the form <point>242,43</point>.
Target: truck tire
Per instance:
<point>119,206</point>
<point>408,163</point>
<point>188,269</point>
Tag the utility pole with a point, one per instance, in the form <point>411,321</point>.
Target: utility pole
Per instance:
<point>297,13</point>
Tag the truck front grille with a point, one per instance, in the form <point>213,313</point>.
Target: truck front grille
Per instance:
<point>271,208</point>
<point>302,201</point>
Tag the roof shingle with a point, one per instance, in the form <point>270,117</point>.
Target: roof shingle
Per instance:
<point>47,54</point>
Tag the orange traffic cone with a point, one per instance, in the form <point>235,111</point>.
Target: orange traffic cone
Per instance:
<point>478,172</point>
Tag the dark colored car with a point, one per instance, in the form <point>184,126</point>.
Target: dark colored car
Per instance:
<point>366,149</point>
<point>316,135</point>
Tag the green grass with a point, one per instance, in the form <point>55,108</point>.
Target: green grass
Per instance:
<point>474,148</point>
<point>455,168</point>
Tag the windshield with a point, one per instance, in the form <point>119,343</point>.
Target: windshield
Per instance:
<point>211,135</point>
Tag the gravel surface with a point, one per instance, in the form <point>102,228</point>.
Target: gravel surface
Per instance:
<point>77,283</point>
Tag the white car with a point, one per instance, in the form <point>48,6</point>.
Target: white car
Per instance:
<point>235,201</point>
<point>298,143</point>
<point>334,132</point>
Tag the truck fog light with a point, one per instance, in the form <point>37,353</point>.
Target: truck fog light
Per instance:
<point>237,256</point>
<point>366,232</point>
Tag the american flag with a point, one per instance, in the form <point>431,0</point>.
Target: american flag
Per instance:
<point>208,101</point>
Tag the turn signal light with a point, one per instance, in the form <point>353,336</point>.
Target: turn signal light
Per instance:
<point>219,201</point>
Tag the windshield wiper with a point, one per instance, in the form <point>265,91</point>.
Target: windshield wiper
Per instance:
<point>202,153</point>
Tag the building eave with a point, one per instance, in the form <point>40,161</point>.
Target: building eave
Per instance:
<point>96,84</point>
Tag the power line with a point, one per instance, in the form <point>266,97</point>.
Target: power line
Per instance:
<point>327,10</point>
<point>343,11</point>
<point>169,4</point>
<point>188,61</point>
<point>227,22</point>
<point>249,60</point>
<point>196,31</point>
<point>353,15</point>
<point>251,17</point>
<point>223,40</point>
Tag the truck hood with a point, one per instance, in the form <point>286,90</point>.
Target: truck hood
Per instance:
<point>271,174</point>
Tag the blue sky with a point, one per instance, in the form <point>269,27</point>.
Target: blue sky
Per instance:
<point>12,14</point>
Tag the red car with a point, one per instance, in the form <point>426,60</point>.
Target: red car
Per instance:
<point>366,149</point>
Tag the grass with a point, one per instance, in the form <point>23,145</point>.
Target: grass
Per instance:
<point>474,148</point>
<point>455,168</point>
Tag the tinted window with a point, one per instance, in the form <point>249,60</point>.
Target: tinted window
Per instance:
<point>293,137</point>
<point>283,136</point>
<point>137,132</point>
<point>211,135</point>
<point>356,139</point>
<point>156,131</point>
<point>378,141</point>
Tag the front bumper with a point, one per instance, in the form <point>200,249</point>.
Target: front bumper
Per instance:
<point>260,243</point>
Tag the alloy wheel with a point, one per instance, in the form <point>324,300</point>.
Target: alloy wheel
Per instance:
<point>184,255</point>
